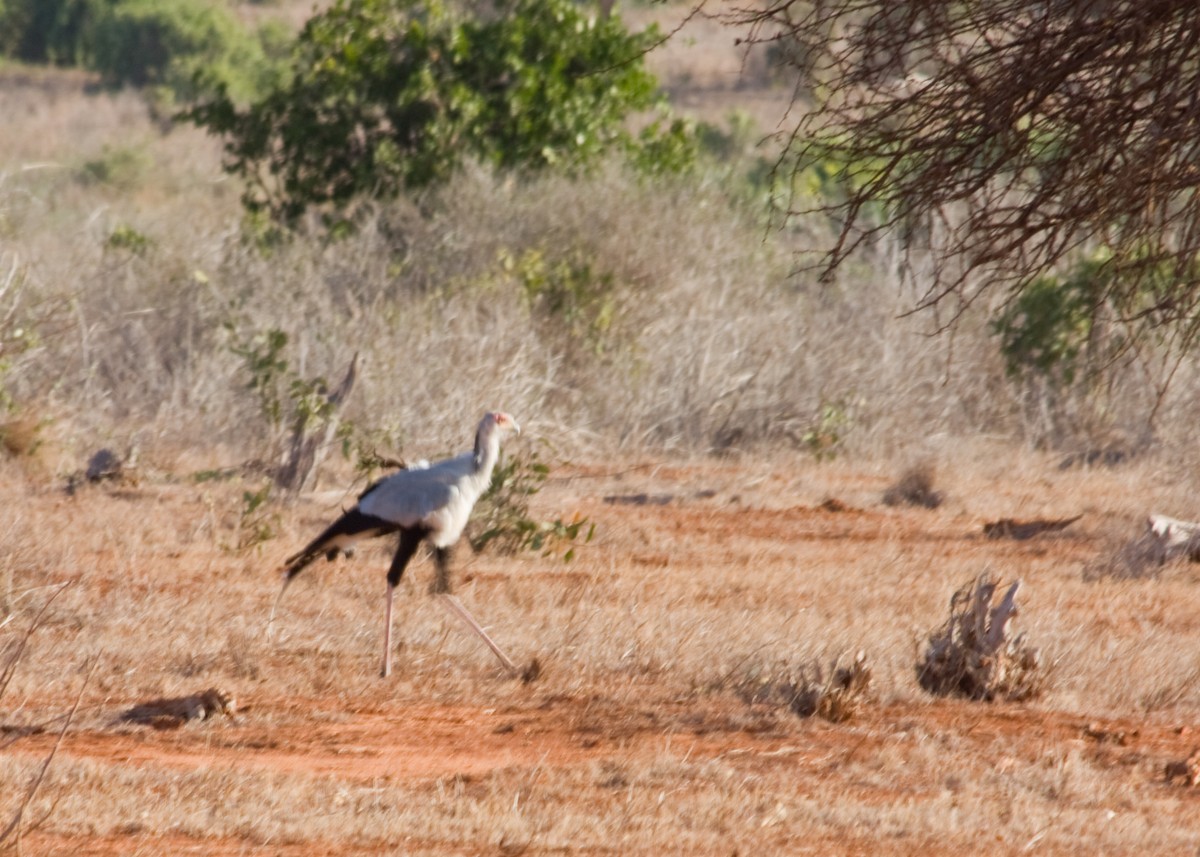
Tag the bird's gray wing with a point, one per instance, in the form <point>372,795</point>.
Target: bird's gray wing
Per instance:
<point>408,497</point>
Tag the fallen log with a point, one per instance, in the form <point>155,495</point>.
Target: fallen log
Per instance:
<point>1007,528</point>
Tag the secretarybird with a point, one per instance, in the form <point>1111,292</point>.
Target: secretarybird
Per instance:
<point>426,503</point>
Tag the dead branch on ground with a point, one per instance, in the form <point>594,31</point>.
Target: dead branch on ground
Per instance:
<point>973,654</point>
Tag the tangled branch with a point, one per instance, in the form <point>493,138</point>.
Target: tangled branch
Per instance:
<point>1003,138</point>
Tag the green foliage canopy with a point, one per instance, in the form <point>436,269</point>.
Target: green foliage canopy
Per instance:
<point>393,95</point>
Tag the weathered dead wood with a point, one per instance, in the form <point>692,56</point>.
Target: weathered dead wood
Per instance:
<point>1179,537</point>
<point>996,634</point>
<point>173,712</point>
<point>974,655</point>
<point>1007,528</point>
<point>310,442</point>
<point>639,499</point>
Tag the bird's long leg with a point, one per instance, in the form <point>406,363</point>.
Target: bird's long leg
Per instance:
<point>409,540</point>
<point>441,587</point>
<point>458,609</point>
<point>386,669</point>
<point>287,578</point>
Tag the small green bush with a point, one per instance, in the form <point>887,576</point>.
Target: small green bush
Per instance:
<point>503,518</point>
<point>569,297</point>
<point>1046,331</point>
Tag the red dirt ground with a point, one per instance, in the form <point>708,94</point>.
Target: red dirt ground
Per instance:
<point>410,741</point>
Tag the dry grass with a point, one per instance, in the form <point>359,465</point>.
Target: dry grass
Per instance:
<point>133,267</point>
<point>835,693</point>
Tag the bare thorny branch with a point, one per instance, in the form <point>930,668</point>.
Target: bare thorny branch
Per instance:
<point>1004,138</point>
<point>10,834</point>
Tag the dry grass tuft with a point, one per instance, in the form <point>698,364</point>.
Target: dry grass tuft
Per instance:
<point>837,694</point>
<point>914,488</point>
<point>972,655</point>
<point>531,672</point>
<point>21,436</point>
<point>11,654</point>
<point>1138,558</point>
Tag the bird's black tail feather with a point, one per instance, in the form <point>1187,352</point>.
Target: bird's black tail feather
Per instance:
<point>338,536</point>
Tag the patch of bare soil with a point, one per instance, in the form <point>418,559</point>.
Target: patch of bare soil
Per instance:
<point>428,744</point>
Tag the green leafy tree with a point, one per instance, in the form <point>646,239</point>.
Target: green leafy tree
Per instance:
<point>393,95</point>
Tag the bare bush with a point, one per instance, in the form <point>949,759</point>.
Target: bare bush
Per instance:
<point>10,657</point>
<point>973,655</point>
<point>1139,557</point>
<point>914,488</point>
<point>941,114</point>
<point>836,693</point>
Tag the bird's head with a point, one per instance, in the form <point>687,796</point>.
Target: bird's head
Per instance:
<point>494,426</point>
<point>500,422</point>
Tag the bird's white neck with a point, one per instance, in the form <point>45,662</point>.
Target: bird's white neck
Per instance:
<point>487,451</point>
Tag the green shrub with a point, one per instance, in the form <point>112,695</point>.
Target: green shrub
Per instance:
<point>503,517</point>
<point>1075,341</point>
<point>125,237</point>
<point>569,297</point>
<point>392,95</point>
<point>1047,329</point>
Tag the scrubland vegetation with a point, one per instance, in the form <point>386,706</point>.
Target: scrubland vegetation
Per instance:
<point>655,334</point>
<point>626,311</point>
